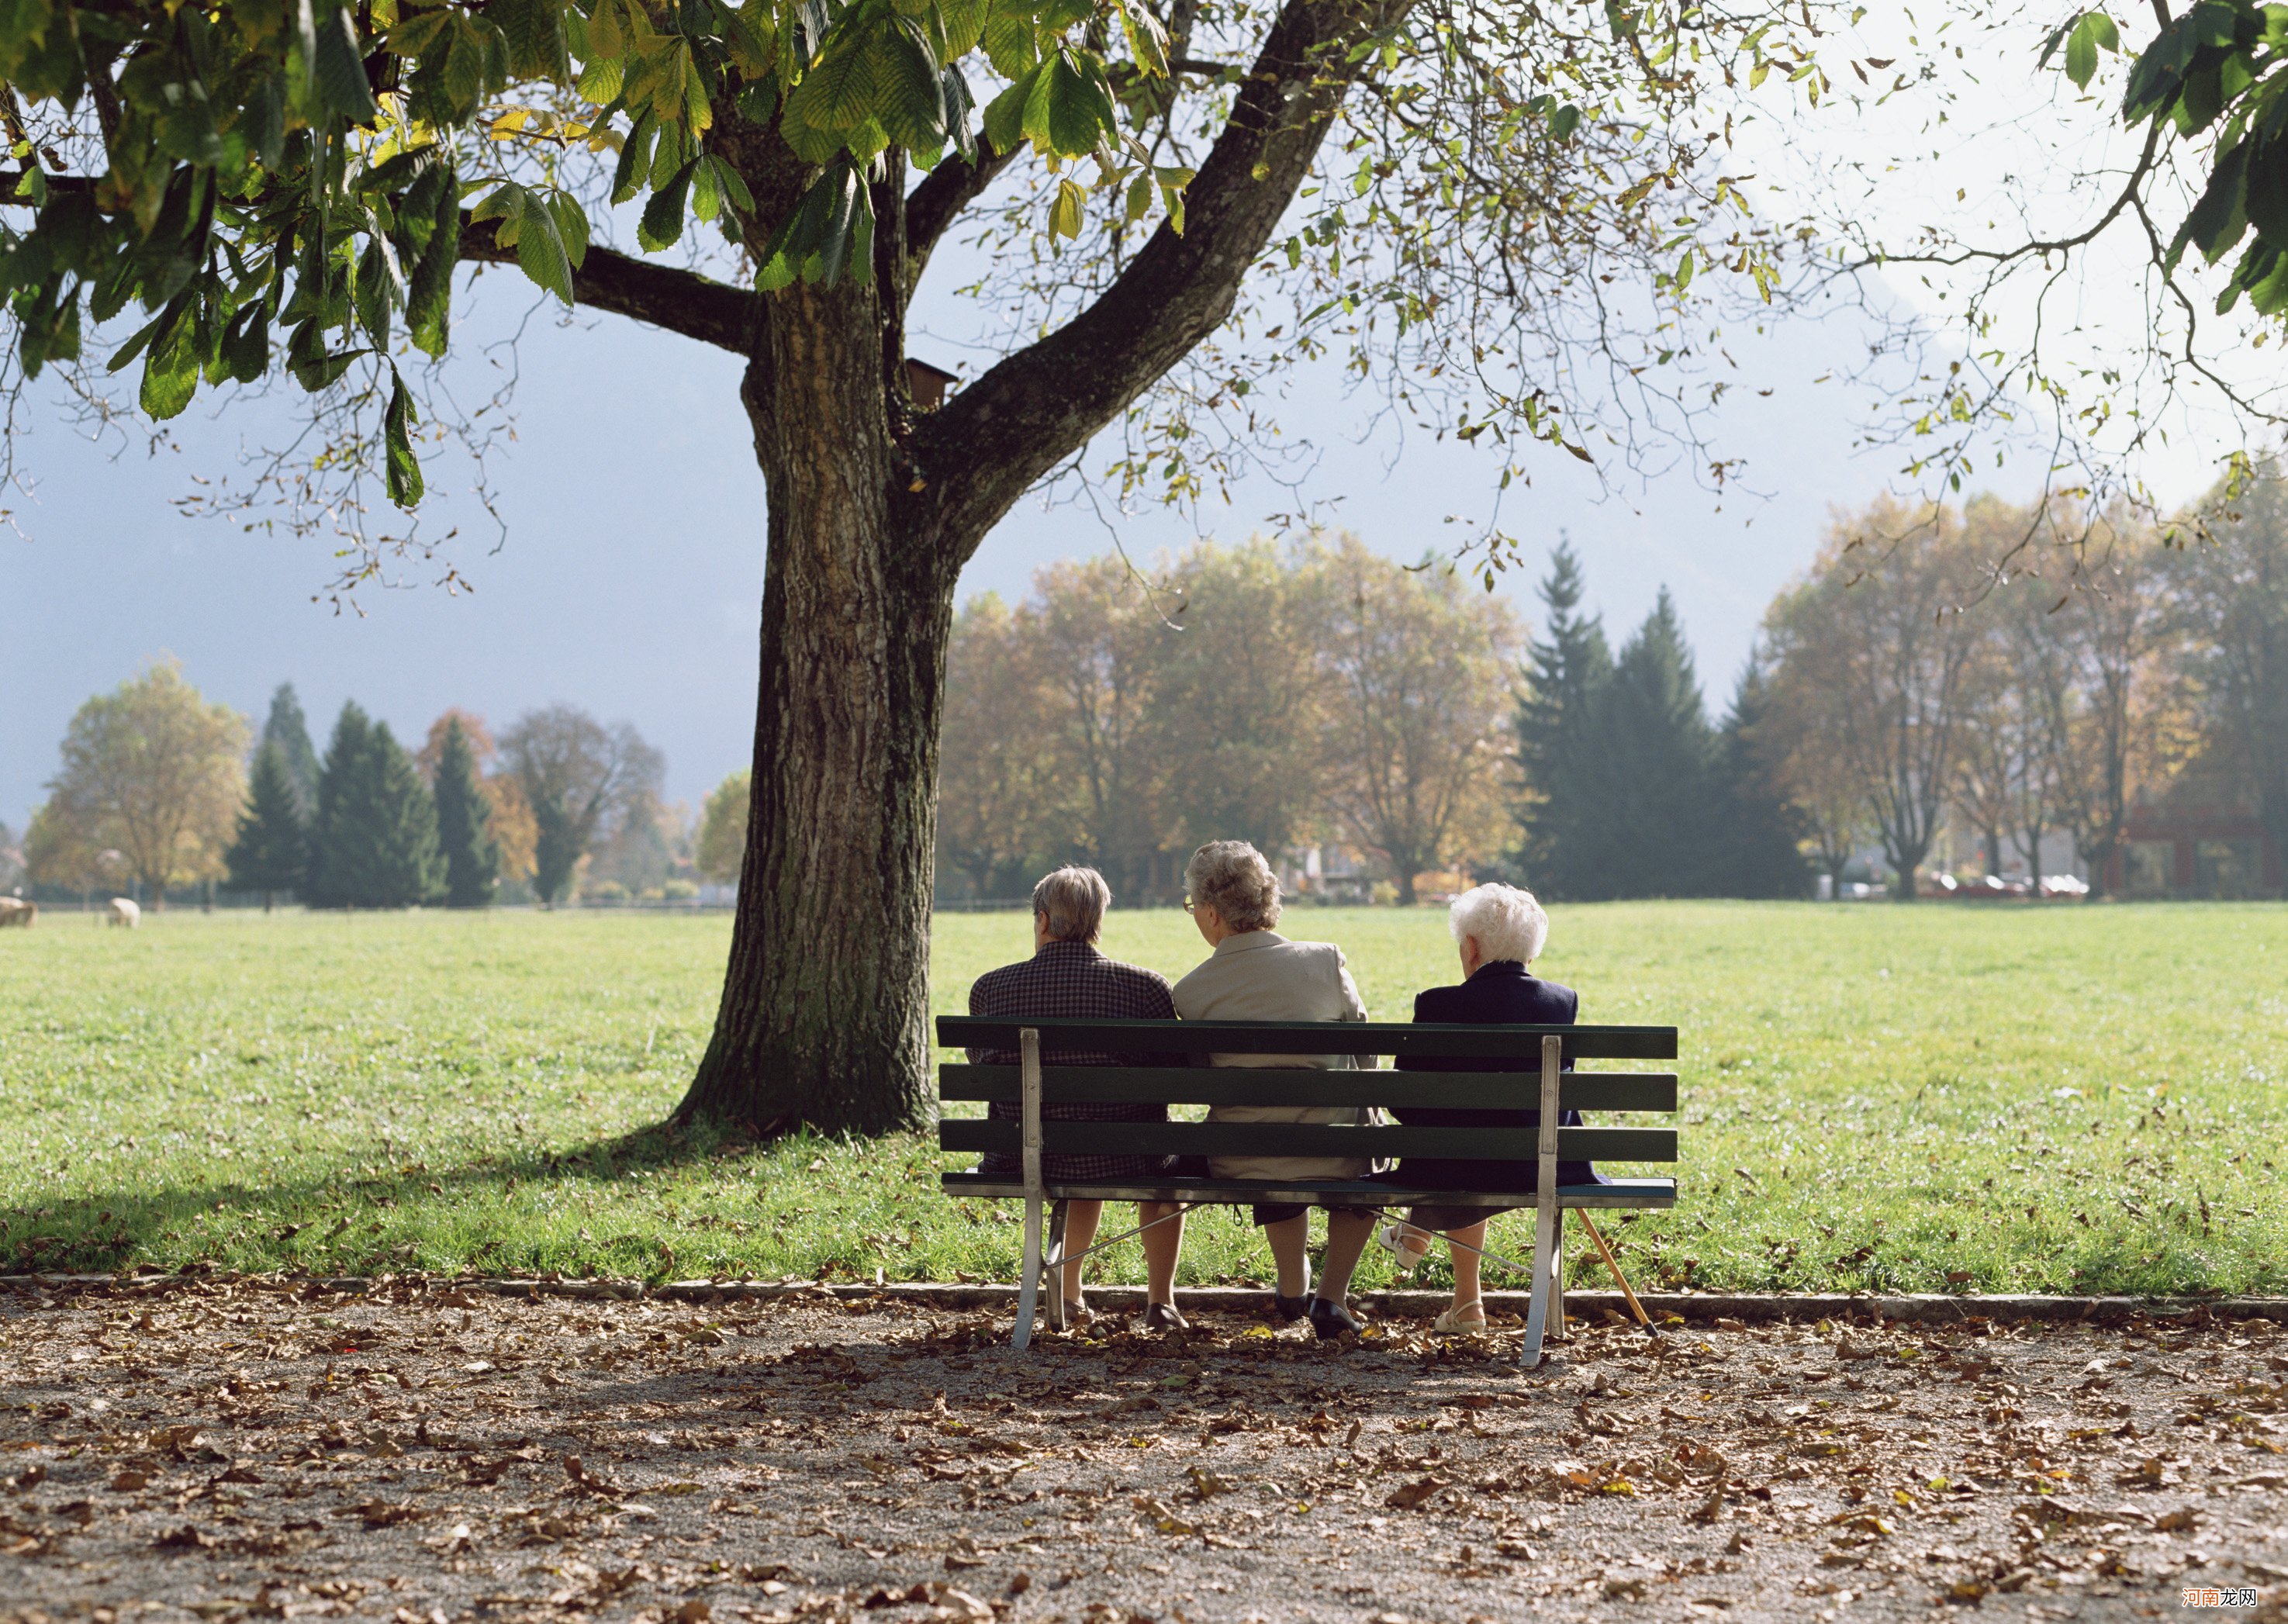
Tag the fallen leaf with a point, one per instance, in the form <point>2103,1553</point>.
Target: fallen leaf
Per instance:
<point>1409,1495</point>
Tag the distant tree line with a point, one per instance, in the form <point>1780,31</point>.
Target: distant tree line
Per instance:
<point>2015,672</point>
<point>155,790</point>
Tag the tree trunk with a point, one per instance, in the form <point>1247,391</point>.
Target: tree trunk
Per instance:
<point>824,1017</point>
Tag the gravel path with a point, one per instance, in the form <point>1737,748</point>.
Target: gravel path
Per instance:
<point>425,1456</point>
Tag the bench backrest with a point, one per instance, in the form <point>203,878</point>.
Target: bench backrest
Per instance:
<point>1540,1079</point>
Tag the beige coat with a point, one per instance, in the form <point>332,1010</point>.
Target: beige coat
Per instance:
<point>1262,976</point>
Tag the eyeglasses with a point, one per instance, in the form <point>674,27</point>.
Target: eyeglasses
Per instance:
<point>1189,905</point>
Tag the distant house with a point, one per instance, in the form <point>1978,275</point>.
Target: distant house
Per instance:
<point>2202,838</point>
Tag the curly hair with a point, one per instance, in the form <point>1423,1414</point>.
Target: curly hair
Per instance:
<point>1233,878</point>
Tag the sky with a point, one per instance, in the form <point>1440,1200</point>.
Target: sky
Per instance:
<point>631,575</point>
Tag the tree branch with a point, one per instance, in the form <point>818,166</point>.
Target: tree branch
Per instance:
<point>665,296</point>
<point>933,205</point>
<point>10,179</point>
<point>987,444</point>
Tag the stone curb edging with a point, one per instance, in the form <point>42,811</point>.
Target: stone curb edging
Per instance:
<point>1692,1307</point>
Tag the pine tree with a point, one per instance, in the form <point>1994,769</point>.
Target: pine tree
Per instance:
<point>272,853</point>
<point>558,849</point>
<point>375,844</point>
<point>1563,849</point>
<point>1757,851</point>
<point>1651,766</point>
<point>464,824</point>
<point>287,729</point>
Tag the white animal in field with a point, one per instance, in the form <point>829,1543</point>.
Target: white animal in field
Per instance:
<point>125,912</point>
<point>16,911</point>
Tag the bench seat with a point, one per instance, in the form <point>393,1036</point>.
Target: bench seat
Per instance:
<point>1623,1192</point>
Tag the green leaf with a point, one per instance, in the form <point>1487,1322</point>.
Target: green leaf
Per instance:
<point>663,217</point>
<point>1004,114</point>
<point>429,290</point>
<point>540,247</point>
<point>962,25</point>
<point>635,159</point>
<point>1012,43</point>
<point>339,70</point>
<point>1073,110</point>
<point>168,382</point>
<point>534,30</point>
<point>404,469</point>
<point>838,93</point>
<point>571,226</point>
<point>909,101</point>
<point>246,345</point>
<point>1139,204</point>
<point>1065,213</point>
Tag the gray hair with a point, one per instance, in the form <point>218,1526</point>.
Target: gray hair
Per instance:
<point>1232,877</point>
<point>1509,924</point>
<point>1073,900</point>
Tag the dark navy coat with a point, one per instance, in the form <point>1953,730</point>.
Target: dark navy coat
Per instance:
<point>1501,993</point>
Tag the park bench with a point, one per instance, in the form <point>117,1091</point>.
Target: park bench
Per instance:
<point>1038,1082</point>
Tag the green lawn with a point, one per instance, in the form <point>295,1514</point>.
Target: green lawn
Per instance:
<point>2065,1099</point>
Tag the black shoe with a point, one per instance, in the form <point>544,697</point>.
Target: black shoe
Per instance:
<point>1331,1319</point>
<point>1291,1309</point>
<point>1163,1317</point>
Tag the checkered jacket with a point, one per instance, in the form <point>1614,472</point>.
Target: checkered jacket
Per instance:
<point>1074,979</point>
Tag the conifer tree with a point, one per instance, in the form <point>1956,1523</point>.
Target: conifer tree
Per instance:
<point>1562,848</point>
<point>272,853</point>
<point>1756,851</point>
<point>375,844</point>
<point>1649,773</point>
<point>464,832</point>
<point>287,730</point>
<point>558,850</point>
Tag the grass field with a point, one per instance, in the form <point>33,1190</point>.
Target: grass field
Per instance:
<point>2064,1098</point>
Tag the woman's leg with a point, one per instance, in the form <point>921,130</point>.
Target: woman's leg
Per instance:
<point>1348,1230</point>
<point>1081,1219</point>
<point>1462,1245</point>
<point>1289,1239</point>
<point>1163,1243</point>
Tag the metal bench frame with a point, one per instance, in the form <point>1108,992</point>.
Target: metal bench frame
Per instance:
<point>1045,1204</point>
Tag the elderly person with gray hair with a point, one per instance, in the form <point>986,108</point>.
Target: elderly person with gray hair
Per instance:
<point>1499,930</point>
<point>1067,976</point>
<point>1257,974</point>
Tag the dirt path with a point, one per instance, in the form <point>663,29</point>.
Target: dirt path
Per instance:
<point>426,1457</point>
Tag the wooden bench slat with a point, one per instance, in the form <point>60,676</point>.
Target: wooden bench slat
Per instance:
<point>1624,1193</point>
<point>1241,1085</point>
<point>1311,1139</point>
<point>1426,1039</point>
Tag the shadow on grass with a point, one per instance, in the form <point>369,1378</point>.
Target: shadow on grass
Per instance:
<point>111,1231</point>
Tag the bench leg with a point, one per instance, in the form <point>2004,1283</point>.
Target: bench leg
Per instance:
<point>1028,1285</point>
<point>1536,1314</point>
<point>1054,1260</point>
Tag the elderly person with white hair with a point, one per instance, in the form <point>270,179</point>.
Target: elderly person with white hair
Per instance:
<point>1257,974</point>
<point>1067,977</point>
<point>1499,931</point>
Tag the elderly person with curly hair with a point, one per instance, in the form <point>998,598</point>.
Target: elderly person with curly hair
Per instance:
<point>1499,930</point>
<point>1257,974</point>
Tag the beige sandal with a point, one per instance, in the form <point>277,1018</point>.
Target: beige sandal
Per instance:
<point>1469,1320</point>
<point>1394,1239</point>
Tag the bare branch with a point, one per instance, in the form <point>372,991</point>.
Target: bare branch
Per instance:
<point>663,295</point>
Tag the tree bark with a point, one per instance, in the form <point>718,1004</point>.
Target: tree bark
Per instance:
<point>824,1015</point>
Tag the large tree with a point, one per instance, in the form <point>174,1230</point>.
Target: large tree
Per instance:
<point>581,779</point>
<point>1418,666</point>
<point>154,772</point>
<point>1447,192</point>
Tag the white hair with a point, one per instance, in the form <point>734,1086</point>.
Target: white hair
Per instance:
<point>1233,878</point>
<point>1073,900</point>
<point>1509,924</point>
